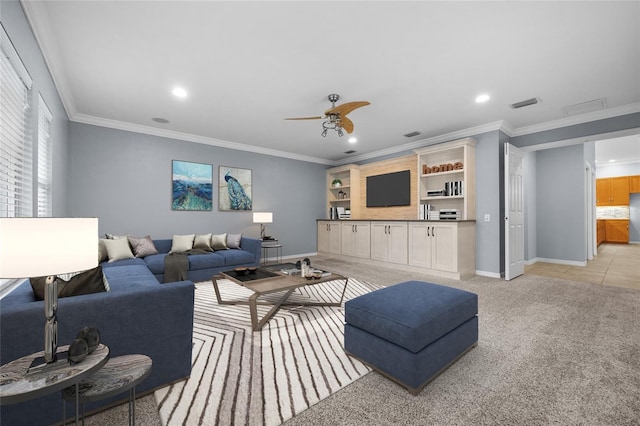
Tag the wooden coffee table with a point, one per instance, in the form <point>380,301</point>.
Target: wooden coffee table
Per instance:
<point>265,282</point>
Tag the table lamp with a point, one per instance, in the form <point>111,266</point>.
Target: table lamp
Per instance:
<point>37,247</point>
<point>262,218</point>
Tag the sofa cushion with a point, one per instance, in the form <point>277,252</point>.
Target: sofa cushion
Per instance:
<point>163,246</point>
<point>412,314</point>
<point>205,261</point>
<point>123,262</point>
<point>155,263</point>
<point>122,277</point>
<point>236,257</point>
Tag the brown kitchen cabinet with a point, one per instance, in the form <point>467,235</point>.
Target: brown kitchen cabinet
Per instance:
<point>601,231</point>
<point>634,184</point>
<point>612,191</point>
<point>617,231</point>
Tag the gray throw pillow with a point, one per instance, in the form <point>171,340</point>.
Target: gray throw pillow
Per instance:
<point>142,247</point>
<point>233,241</point>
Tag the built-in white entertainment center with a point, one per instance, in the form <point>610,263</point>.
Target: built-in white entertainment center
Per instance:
<point>435,230</point>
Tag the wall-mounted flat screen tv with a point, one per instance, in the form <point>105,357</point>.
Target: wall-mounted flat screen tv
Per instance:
<point>390,189</point>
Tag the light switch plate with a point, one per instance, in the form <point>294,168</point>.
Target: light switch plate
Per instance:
<point>487,217</point>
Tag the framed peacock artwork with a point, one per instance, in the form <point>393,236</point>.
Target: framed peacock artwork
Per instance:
<point>234,189</point>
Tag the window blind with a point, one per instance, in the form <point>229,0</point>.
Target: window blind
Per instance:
<point>15,141</point>
<point>44,159</point>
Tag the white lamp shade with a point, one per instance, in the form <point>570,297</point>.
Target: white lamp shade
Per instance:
<point>36,247</point>
<point>262,217</point>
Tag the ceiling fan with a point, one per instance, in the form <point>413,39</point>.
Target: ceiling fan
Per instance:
<point>336,116</point>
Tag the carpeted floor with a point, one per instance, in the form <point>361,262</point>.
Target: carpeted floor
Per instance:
<point>551,351</point>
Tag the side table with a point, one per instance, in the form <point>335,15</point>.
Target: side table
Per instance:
<point>118,375</point>
<point>272,244</point>
<point>20,381</point>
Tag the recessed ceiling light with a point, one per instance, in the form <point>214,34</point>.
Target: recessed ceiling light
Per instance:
<point>482,98</point>
<point>179,92</point>
<point>612,161</point>
<point>353,140</point>
<point>160,120</point>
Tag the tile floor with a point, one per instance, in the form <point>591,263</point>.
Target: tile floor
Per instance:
<point>616,265</point>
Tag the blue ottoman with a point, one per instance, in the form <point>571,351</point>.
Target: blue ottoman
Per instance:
<point>412,331</point>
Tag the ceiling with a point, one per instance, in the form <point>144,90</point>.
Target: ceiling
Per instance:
<point>248,65</point>
<point>624,150</point>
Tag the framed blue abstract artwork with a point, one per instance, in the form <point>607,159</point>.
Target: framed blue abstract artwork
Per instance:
<point>192,186</point>
<point>234,189</point>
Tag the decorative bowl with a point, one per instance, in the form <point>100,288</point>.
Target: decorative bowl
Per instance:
<point>240,271</point>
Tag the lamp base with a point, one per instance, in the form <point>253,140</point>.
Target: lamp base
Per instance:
<point>50,313</point>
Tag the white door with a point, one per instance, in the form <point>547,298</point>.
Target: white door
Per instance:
<point>514,211</point>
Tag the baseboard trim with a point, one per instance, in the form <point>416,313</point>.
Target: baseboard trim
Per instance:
<point>489,274</point>
<point>557,261</point>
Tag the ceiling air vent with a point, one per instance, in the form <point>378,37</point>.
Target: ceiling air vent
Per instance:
<point>412,134</point>
<point>525,103</point>
<point>584,107</point>
<point>351,151</point>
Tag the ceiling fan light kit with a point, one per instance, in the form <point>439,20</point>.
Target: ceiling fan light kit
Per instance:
<point>336,117</point>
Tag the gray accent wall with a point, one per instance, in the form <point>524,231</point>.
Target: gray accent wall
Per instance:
<point>17,27</point>
<point>124,179</point>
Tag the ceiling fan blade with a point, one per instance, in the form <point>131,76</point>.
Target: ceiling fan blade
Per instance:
<point>346,108</point>
<point>304,118</point>
<point>346,124</point>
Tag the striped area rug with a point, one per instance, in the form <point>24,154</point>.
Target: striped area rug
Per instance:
<point>242,377</point>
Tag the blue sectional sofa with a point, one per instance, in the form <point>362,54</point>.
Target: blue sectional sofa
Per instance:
<point>139,315</point>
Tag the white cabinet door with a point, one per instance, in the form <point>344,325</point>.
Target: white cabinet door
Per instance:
<point>334,238</point>
<point>348,239</point>
<point>323,236</point>
<point>389,242</point>
<point>379,241</point>
<point>420,244</point>
<point>362,239</point>
<point>445,247</point>
<point>398,242</point>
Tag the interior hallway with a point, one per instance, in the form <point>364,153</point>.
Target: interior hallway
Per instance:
<point>616,265</point>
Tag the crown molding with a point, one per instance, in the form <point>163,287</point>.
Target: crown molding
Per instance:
<point>148,130</point>
<point>578,119</point>
<point>41,29</point>
<point>458,134</point>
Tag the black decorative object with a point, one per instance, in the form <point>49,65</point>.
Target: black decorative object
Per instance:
<point>78,350</point>
<point>91,335</point>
